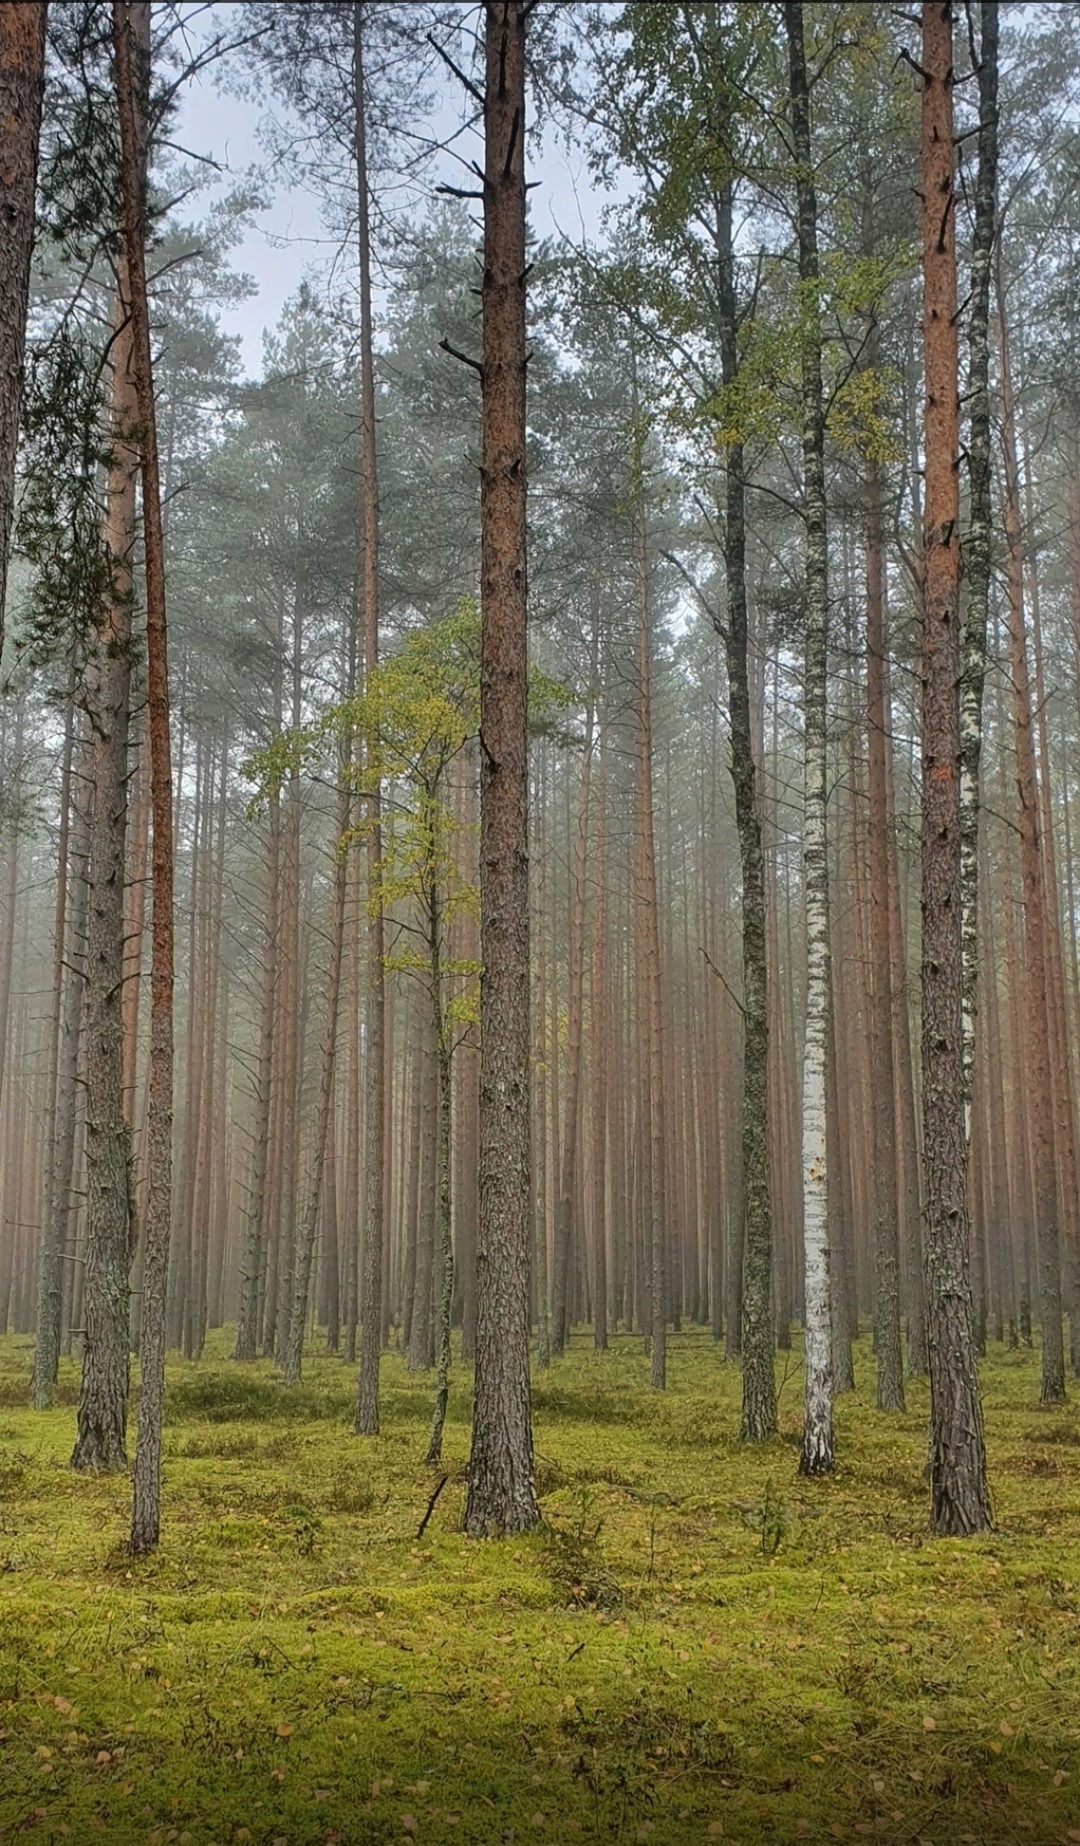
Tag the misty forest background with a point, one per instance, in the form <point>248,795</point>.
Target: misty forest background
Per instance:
<point>790,1004</point>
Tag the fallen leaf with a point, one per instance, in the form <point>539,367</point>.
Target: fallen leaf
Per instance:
<point>283,1730</point>
<point>929,1724</point>
<point>409,1823</point>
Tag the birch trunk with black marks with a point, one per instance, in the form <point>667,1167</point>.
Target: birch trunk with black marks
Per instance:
<point>816,1456</point>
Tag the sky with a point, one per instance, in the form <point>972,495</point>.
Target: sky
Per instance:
<point>287,240</point>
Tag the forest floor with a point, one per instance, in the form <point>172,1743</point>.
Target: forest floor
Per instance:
<point>697,1646</point>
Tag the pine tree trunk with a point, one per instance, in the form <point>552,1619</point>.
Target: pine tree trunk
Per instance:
<point>749,1321</point>
<point>102,1417</point>
<point>978,539</point>
<point>959,1501</point>
<point>59,1151</point>
<point>131,48</point>
<point>599,1003</point>
<point>565,1240</point>
<point>648,1007</point>
<point>309,1228</point>
<point>253,1237</point>
<point>890,1366</point>
<point>375,1110</point>
<point>501,1496</point>
<point>444,1244</point>
<point>22,83</point>
<point>1038,1073</point>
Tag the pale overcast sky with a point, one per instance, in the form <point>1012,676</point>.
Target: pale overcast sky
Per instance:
<point>289,240</point>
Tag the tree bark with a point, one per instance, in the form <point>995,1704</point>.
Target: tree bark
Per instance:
<point>131,49</point>
<point>375,1112</point>
<point>102,1417</point>
<point>1038,1076</point>
<point>501,1495</point>
<point>978,539</point>
<point>816,1456</point>
<point>309,1228</point>
<point>599,1002</point>
<point>959,1501</point>
<point>890,1365</point>
<point>59,1151</point>
<point>253,1236</point>
<point>749,1322</point>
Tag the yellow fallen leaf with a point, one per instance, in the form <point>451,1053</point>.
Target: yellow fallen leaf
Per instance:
<point>929,1724</point>
<point>283,1730</point>
<point>1006,1729</point>
<point>716,1829</point>
<point>409,1823</point>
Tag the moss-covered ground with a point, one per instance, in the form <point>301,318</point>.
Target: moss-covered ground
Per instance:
<point>698,1645</point>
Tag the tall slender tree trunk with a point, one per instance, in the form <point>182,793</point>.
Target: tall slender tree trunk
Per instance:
<point>749,1321</point>
<point>1038,1072</point>
<point>375,1111</point>
<point>959,1501</point>
<point>309,1228</point>
<point>647,973</point>
<point>444,1244</point>
<point>502,1496</point>
<point>253,1235</point>
<point>890,1365</point>
<point>565,1240</point>
<point>978,539</point>
<point>816,1456</point>
<point>22,84</point>
<point>63,1029</point>
<point>599,1002</point>
<point>1057,1008</point>
<point>101,1440</point>
<point>131,47</point>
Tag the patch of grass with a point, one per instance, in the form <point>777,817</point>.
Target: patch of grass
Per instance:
<point>697,1645</point>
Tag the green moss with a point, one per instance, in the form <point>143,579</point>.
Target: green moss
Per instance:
<point>699,1644</point>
